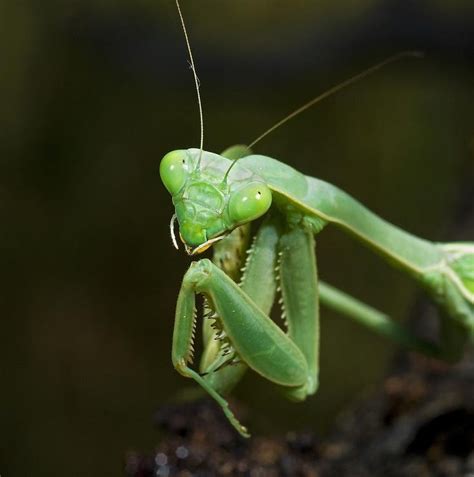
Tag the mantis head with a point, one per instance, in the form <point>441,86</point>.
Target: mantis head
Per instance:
<point>208,202</point>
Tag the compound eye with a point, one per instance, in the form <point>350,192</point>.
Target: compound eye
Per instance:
<point>174,170</point>
<point>250,202</point>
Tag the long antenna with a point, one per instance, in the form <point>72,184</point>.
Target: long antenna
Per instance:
<point>334,89</point>
<point>196,81</point>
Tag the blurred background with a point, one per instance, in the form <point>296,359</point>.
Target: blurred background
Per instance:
<point>94,93</point>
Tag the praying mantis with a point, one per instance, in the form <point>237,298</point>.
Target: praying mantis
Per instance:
<point>217,197</point>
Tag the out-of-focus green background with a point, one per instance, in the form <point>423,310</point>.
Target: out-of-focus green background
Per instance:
<point>94,93</point>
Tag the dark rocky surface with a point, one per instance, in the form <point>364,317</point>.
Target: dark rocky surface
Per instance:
<point>420,422</point>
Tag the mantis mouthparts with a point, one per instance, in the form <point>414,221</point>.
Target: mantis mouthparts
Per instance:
<point>203,247</point>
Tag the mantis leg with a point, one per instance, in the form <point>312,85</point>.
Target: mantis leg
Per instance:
<point>300,290</point>
<point>258,268</point>
<point>229,255</point>
<point>372,318</point>
<point>300,303</point>
<point>294,250</point>
<point>249,333</point>
<point>182,350</point>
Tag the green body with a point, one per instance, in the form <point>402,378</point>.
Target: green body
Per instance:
<point>214,200</point>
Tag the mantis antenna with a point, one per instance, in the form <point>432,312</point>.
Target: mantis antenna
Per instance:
<point>196,81</point>
<point>335,89</point>
<point>330,92</point>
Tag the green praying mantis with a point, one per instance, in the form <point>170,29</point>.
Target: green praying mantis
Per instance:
<point>216,198</point>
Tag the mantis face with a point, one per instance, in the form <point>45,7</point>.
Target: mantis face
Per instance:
<point>209,203</point>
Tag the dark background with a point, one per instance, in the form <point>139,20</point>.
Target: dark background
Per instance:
<point>93,94</point>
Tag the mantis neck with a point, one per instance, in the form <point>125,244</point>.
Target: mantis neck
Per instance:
<point>316,201</point>
<point>404,250</point>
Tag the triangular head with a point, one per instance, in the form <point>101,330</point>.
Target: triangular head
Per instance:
<point>210,201</point>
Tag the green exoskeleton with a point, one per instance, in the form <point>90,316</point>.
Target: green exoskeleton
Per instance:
<point>216,197</point>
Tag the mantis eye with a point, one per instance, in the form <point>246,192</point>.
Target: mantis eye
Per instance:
<point>174,170</point>
<point>250,202</point>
